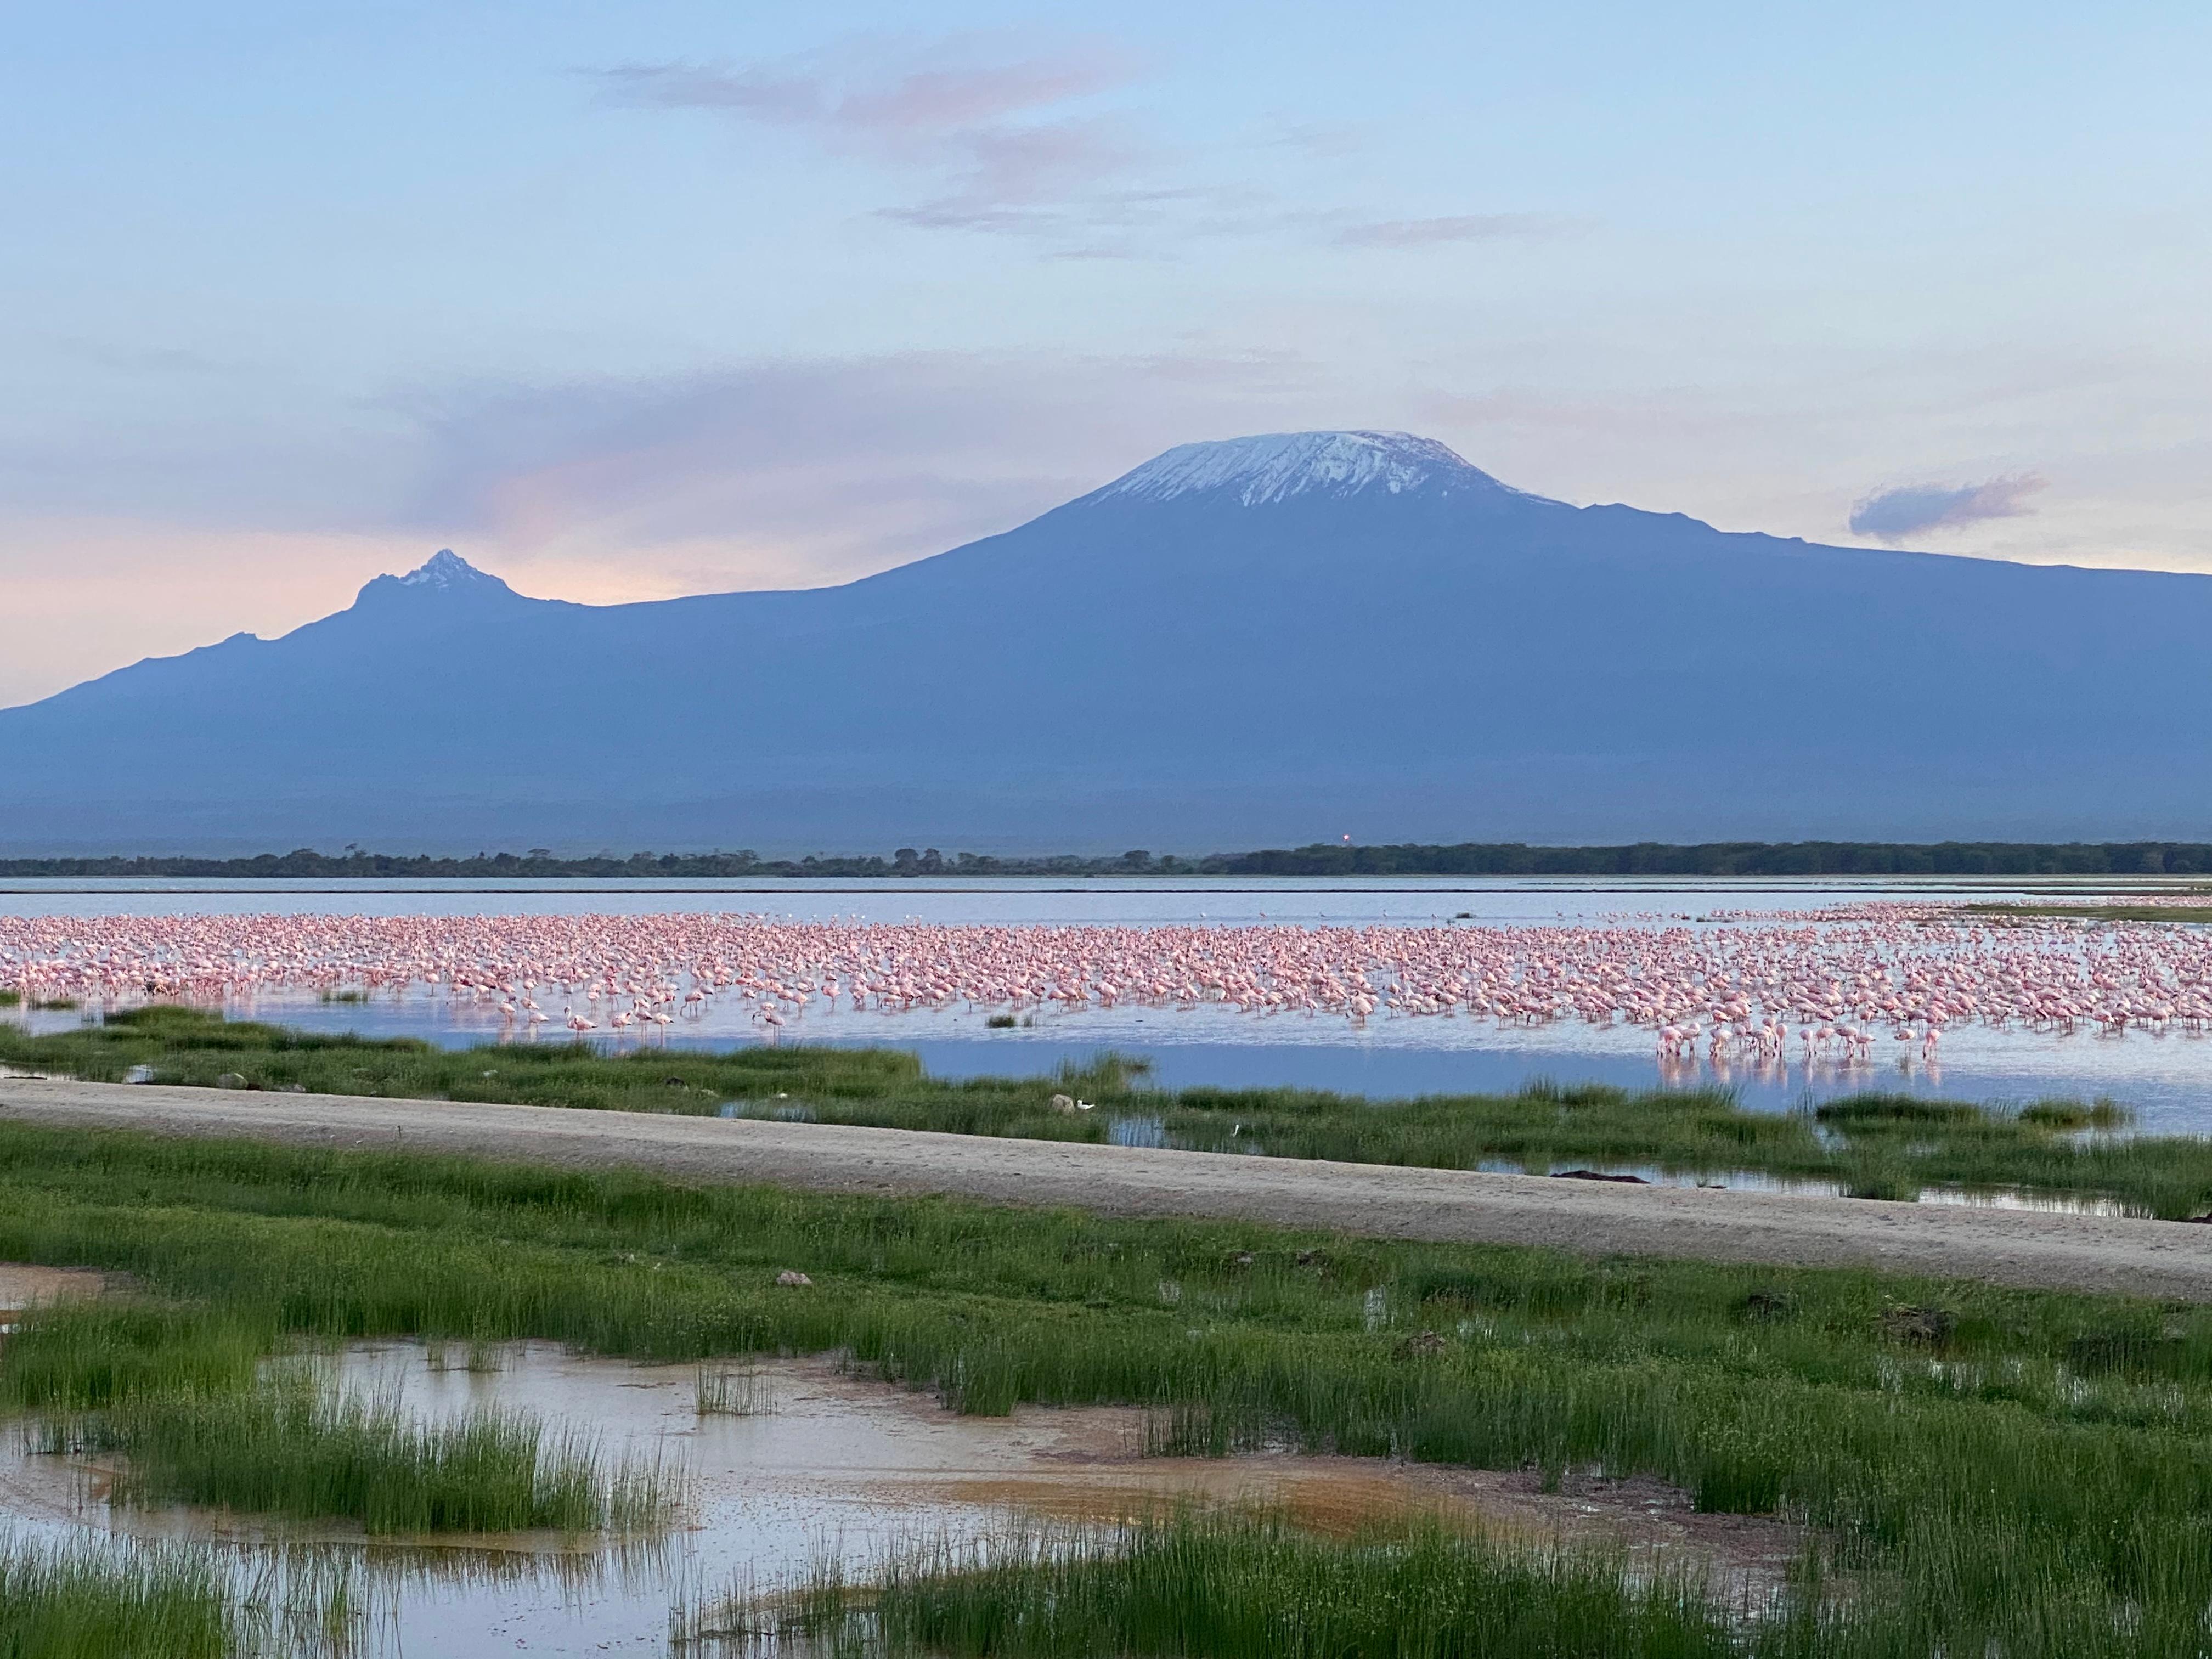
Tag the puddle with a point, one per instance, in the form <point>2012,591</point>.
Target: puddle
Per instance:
<point>801,1466</point>
<point>837,1468</point>
<point>1650,1174</point>
<point>1754,1180</point>
<point>2008,1198</point>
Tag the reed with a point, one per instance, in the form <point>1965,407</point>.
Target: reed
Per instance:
<point>72,1356</point>
<point>295,1449</point>
<point>1236,1588</point>
<point>720,1392</point>
<point>97,1602</point>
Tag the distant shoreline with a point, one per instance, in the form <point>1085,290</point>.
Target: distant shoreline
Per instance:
<point>1714,859</point>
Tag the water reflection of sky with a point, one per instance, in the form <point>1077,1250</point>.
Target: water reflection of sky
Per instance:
<point>2167,1078</point>
<point>1408,901</point>
<point>833,1469</point>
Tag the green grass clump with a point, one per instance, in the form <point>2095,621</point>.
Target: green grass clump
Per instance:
<point>1248,1587</point>
<point>1876,1144</point>
<point>293,1449</point>
<point>2136,915</point>
<point>175,1388</point>
<point>10,999</point>
<point>97,1601</point>
<point>1854,1111</point>
<point>90,1356</point>
<point>718,1392</point>
<point>2068,1115</point>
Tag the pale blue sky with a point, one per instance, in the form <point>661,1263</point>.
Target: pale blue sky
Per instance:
<point>625,301</point>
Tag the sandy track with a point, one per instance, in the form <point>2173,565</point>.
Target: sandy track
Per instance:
<point>2006,1247</point>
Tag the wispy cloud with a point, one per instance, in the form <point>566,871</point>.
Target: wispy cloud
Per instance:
<point>1028,144</point>
<point>1890,515</point>
<point>842,96</point>
<point>1458,228</point>
<point>1005,145</point>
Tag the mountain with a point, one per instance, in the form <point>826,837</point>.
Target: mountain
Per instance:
<point>1265,640</point>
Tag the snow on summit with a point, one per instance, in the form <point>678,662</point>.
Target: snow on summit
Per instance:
<point>1278,465</point>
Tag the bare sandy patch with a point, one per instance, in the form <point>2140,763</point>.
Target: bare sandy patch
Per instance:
<point>23,1287</point>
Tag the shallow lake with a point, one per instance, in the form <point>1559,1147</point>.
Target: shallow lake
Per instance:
<point>2166,1077</point>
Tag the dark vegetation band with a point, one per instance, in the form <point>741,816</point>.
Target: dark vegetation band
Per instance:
<point>1799,858</point>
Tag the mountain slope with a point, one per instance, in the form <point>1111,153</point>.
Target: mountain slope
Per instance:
<point>1273,638</point>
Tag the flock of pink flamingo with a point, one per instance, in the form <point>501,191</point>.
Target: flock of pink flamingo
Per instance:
<point>1822,985</point>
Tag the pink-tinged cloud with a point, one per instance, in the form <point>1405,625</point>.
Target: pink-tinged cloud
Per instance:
<point>1890,515</point>
<point>1458,228</point>
<point>920,101</point>
<point>952,100</point>
<point>1003,154</point>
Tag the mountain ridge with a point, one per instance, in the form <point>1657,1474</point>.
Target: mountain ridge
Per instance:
<point>1271,640</point>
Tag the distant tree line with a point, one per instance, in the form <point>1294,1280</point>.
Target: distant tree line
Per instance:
<point>1804,857</point>
<point>1739,858</point>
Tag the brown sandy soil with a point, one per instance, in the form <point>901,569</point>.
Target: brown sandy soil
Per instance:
<point>22,1286</point>
<point>1745,1558</point>
<point>1086,1465</point>
<point>2010,1247</point>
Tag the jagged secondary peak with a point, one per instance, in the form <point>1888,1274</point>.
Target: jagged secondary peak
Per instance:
<point>1277,466</point>
<point>445,569</point>
<point>445,573</point>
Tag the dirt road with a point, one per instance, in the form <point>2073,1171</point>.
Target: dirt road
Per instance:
<point>2007,1247</point>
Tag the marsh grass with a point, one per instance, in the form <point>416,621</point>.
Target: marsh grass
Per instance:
<point>2025,1472</point>
<point>720,1392</point>
<point>110,1597</point>
<point>177,1391</point>
<point>1877,1145</point>
<point>2136,915</point>
<point>2103,1114</point>
<point>96,1601</point>
<point>298,1449</point>
<point>74,1357</point>
<point>1231,1587</point>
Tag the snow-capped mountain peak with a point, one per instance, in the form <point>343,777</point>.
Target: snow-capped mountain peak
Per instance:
<point>1278,465</point>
